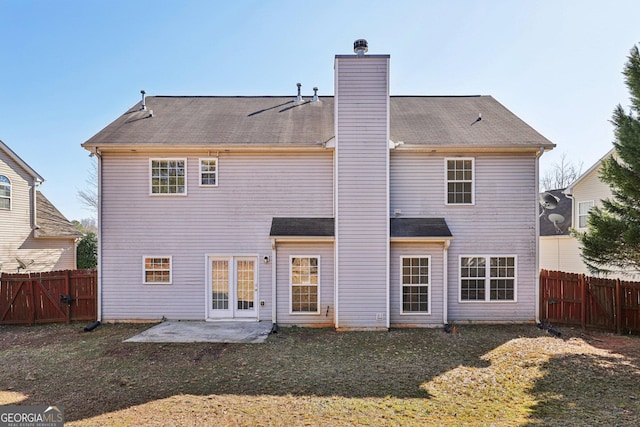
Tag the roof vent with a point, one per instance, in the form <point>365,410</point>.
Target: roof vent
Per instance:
<point>144,106</point>
<point>360,47</point>
<point>299,97</point>
<point>315,95</point>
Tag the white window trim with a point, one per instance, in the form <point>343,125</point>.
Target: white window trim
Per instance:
<point>144,270</point>
<point>168,159</point>
<point>430,290</point>
<point>487,293</point>
<point>200,171</point>
<point>446,181</point>
<point>10,192</point>
<point>578,215</point>
<point>303,313</point>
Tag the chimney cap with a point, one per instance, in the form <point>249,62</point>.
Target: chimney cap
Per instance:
<point>360,47</point>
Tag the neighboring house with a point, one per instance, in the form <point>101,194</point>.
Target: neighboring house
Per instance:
<point>559,250</point>
<point>34,235</point>
<point>357,211</point>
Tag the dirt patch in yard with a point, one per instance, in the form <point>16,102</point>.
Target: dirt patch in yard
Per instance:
<point>502,375</point>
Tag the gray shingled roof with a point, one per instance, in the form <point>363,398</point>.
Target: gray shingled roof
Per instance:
<point>419,120</point>
<point>302,227</point>
<point>419,227</point>
<point>51,223</point>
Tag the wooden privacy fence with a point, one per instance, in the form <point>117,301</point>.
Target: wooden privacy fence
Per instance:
<point>590,302</point>
<point>55,296</point>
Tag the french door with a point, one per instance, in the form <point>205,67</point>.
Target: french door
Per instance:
<point>232,287</point>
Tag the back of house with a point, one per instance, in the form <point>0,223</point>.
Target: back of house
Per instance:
<point>358,210</point>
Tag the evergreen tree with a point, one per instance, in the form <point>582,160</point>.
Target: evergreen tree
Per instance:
<point>612,242</point>
<point>87,251</point>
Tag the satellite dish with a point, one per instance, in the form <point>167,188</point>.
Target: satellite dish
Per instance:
<point>556,219</point>
<point>23,264</point>
<point>548,200</point>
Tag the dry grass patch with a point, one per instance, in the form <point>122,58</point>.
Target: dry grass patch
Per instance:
<point>483,375</point>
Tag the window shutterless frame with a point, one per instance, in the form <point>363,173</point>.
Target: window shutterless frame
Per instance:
<point>157,270</point>
<point>167,176</point>
<point>304,284</point>
<point>460,181</point>
<point>415,285</point>
<point>208,171</point>
<point>5,193</point>
<point>488,278</point>
<point>583,212</point>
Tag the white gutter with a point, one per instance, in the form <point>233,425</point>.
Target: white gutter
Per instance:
<point>537,240</point>
<point>99,156</point>
<point>445,281</point>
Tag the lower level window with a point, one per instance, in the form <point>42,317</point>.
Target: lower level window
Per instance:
<point>415,285</point>
<point>488,278</point>
<point>305,284</point>
<point>157,270</point>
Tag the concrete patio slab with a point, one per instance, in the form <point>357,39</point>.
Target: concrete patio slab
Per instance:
<point>193,331</point>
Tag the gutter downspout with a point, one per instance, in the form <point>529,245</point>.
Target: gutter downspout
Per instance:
<point>274,287</point>
<point>34,188</point>
<point>99,156</point>
<point>537,241</point>
<point>445,280</point>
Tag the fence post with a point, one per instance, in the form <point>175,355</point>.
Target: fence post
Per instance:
<point>32,298</point>
<point>583,301</point>
<point>68,293</point>
<point>617,300</point>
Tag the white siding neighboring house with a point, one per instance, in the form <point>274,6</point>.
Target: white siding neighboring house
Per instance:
<point>32,231</point>
<point>357,211</point>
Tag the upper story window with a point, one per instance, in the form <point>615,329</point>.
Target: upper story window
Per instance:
<point>168,176</point>
<point>487,278</point>
<point>5,192</point>
<point>157,270</point>
<point>583,213</point>
<point>209,172</point>
<point>460,181</point>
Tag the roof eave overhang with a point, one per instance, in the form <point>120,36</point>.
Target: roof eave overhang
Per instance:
<point>208,149</point>
<point>458,149</point>
<point>421,239</point>
<point>303,239</point>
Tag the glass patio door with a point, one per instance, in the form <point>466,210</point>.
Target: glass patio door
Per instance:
<point>232,288</point>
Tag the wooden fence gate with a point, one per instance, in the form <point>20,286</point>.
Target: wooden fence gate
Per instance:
<point>56,296</point>
<point>590,302</point>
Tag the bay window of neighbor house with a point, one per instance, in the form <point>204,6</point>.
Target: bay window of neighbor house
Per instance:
<point>460,181</point>
<point>416,281</point>
<point>5,192</point>
<point>168,176</point>
<point>305,284</point>
<point>487,278</point>
<point>157,270</point>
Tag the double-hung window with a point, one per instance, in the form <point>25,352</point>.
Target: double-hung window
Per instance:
<point>488,278</point>
<point>209,172</point>
<point>460,181</point>
<point>305,284</point>
<point>583,213</point>
<point>416,283</point>
<point>5,193</point>
<point>157,270</point>
<point>168,176</point>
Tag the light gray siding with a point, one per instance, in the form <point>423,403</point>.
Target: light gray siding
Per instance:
<point>502,222</point>
<point>231,219</point>
<point>362,188</point>
<point>325,251</point>
<point>436,292</point>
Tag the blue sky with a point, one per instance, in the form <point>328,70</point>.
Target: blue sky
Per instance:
<point>70,67</point>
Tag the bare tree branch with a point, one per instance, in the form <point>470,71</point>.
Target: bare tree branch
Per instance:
<point>560,175</point>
